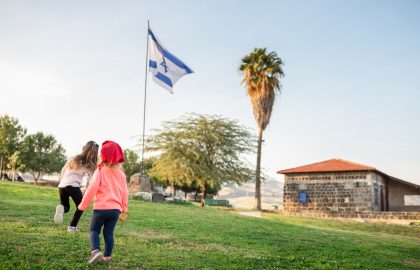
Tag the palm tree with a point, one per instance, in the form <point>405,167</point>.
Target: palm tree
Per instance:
<point>262,73</point>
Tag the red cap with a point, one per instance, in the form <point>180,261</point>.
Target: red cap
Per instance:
<point>111,152</point>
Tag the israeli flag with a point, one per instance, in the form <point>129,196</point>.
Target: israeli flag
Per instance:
<point>166,68</point>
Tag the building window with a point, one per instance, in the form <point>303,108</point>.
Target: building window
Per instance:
<point>412,200</point>
<point>375,193</point>
<point>303,197</point>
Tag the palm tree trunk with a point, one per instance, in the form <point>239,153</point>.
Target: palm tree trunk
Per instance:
<point>257,199</point>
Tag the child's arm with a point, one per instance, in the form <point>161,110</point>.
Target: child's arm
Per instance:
<point>88,174</point>
<point>91,191</point>
<point>125,196</point>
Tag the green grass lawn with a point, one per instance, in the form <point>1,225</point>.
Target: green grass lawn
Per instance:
<point>170,236</point>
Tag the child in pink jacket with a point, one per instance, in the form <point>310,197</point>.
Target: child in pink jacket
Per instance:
<point>108,188</point>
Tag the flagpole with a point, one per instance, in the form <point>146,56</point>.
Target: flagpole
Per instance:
<point>145,96</point>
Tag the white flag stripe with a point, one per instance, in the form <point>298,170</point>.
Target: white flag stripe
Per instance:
<point>167,54</point>
<point>165,67</point>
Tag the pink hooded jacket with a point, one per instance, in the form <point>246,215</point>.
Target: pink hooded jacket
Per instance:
<point>108,187</point>
<point>108,184</point>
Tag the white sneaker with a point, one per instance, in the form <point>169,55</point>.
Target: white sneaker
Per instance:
<point>95,257</point>
<point>59,211</point>
<point>72,229</point>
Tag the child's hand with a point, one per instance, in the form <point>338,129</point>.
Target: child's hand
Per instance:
<point>123,217</point>
<point>83,190</point>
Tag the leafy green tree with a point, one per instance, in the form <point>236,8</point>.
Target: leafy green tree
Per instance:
<point>131,164</point>
<point>15,164</point>
<point>194,188</point>
<point>206,150</point>
<point>262,72</point>
<point>11,135</point>
<point>168,173</point>
<point>188,188</point>
<point>41,154</point>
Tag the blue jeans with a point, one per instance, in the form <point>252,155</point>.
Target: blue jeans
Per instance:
<point>108,219</point>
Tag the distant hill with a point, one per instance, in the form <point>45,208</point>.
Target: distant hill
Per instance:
<point>243,196</point>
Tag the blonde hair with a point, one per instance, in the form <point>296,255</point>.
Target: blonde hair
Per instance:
<point>113,166</point>
<point>88,158</point>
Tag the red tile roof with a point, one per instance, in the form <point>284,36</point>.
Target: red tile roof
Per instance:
<point>332,165</point>
<point>341,165</point>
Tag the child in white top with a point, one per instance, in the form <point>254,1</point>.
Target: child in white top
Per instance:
<point>71,182</point>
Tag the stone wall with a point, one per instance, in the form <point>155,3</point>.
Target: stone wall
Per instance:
<point>397,191</point>
<point>390,217</point>
<point>329,192</point>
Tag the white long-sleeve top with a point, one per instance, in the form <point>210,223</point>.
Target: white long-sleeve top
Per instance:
<point>74,177</point>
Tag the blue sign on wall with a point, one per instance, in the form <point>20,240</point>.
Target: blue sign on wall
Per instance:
<point>302,197</point>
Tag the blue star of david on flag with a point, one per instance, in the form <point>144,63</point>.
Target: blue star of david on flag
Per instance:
<point>166,68</point>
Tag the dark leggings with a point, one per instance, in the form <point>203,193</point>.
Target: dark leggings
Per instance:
<point>76,194</point>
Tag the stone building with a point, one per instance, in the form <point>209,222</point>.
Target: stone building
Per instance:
<point>338,186</point>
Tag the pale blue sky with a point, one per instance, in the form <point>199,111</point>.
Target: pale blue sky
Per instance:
<point>75,69</point>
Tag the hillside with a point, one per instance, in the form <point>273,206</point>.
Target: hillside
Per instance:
<point>169,236</point>
<point>242,196</point>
